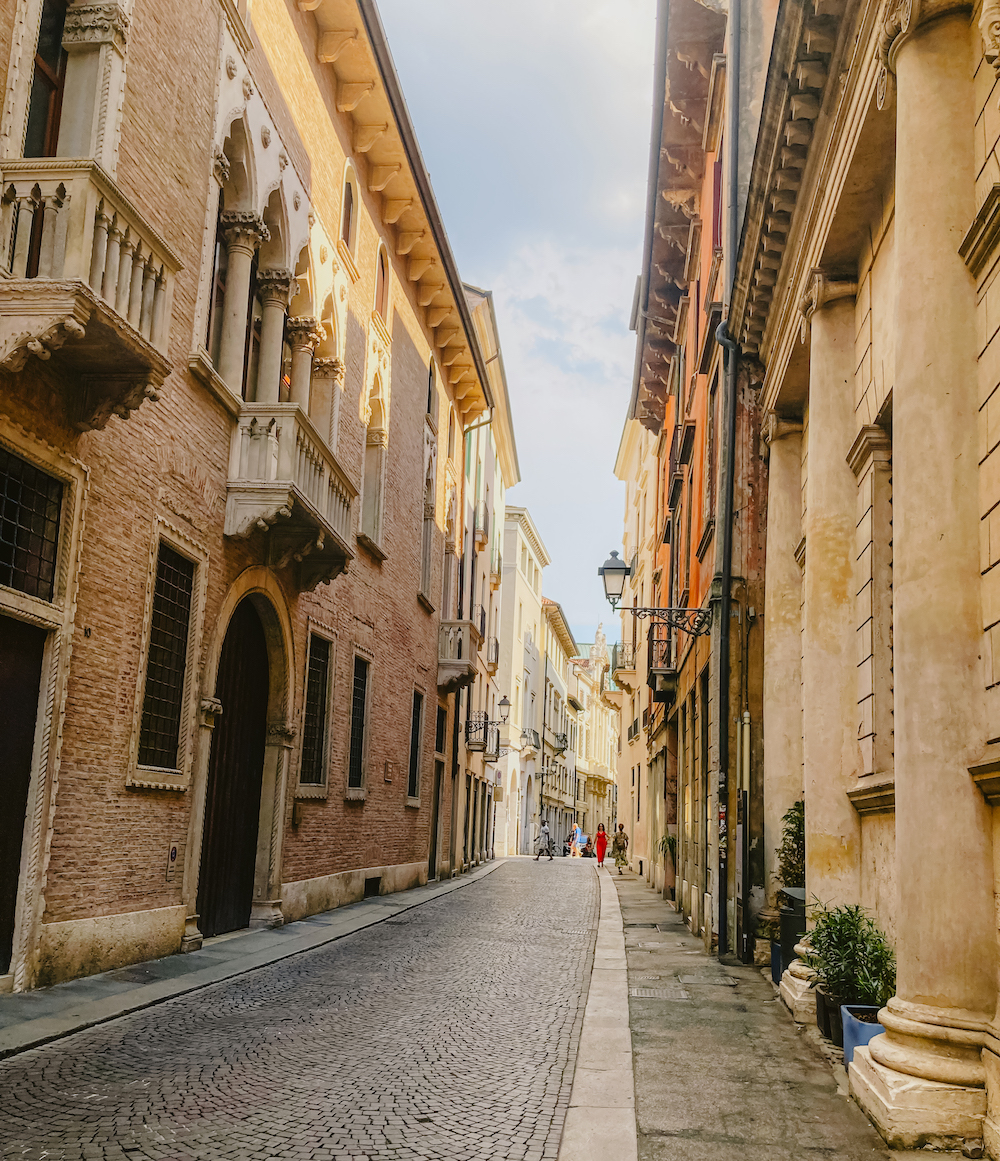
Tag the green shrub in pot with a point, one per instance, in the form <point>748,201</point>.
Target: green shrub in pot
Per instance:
<point>853,960</point>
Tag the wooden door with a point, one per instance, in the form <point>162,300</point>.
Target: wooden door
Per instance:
<point>235,771</point>
<point>432,859</point>
<point>21,649</point>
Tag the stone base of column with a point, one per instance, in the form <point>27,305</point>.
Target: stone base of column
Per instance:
<point>192,938</point>
<point>798,997</point>
<point>911,1112</point>
<point>266,914</point>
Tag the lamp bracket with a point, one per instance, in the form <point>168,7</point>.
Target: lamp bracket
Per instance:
<point>696,622</point>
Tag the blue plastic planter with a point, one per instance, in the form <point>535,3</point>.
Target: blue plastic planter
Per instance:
<point>857,1032</point>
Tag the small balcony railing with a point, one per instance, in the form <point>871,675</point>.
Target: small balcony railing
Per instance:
<point>560,743</point>
<point>530,740</point>
<point>661,659</point>
<point>476,730</point>
<point>492,751</point>
<point>496,572</point>
<point>492,654</point>
<point>91,282</point>
<point>481,529</point>
<point>622,657</point>
<point>456,656</point>
<point>285,482</point>
<point>478,619</point>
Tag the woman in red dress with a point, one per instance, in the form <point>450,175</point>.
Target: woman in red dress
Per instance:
<point>601,842</point>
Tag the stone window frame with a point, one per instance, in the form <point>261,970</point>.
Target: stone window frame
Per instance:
<point>359,793</point>
<point>413,800</point>
<point>320,790</point>
<point>155,777</point>
<point>348,251</point>
<point>20,71</point>
<point>58,617</point>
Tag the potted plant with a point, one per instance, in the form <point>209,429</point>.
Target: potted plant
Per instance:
<point>855,971</point>
<point>791,854</point>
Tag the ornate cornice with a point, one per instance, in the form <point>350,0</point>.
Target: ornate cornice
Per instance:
<point>92,24</point>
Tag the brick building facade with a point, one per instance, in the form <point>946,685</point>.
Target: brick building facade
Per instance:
<point>236,363</point>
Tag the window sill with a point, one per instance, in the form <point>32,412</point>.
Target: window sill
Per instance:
<point>201,366</point>
<point>371,548</point>
<point>154,778</point>
<point>708,532</point>
<point>355,794</point>
<point>311,790</point>
<point>425,602</point>
<point>413,803</point>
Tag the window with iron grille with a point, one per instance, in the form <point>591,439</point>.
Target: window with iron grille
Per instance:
<point>311,771</point>
<point>30,507</point>
<point>442,730</point>
<point>359,705</point>
<point>162,705</point>
<point>413,785</point>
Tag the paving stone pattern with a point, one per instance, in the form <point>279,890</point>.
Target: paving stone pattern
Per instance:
<point>449,1032</point>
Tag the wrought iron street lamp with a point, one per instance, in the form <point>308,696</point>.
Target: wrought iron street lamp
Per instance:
<point>696,622</point>
<point>504,709</point>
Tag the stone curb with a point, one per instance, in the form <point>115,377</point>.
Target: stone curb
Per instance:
<point>83,1013</point>
<point>600,1121</point>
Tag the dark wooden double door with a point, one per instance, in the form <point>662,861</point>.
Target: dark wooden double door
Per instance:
<point>235,773</point>
<point>21,651</point>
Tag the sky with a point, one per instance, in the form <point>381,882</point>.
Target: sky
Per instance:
<point>534,122</point>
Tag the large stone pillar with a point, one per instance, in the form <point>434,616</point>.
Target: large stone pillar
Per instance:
<point>782,638</point>
<point>829,678</point>
<point>922,1082</point>
<point>243,232</point>
<point>274,287</point>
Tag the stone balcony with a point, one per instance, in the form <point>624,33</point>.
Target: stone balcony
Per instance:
<point>86,287</point>
<point>286,484</point>
<point>456,656</point>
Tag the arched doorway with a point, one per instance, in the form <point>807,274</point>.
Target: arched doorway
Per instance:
<point>235,774</point>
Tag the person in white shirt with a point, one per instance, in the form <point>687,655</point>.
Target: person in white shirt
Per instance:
<point>544,842</point>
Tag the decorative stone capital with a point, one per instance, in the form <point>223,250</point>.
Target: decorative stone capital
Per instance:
<point>378,437</point>
<point>819,292</point>
<point>328,369</point>
<point>211,708</point>
<point>989,27</point>
<point>274,286</point>
<point>241,228</point>
<point>900,20</point>
<point>281,733</point>
<point>304,332</point>
<point>95,24</point>
<point>774,428</point>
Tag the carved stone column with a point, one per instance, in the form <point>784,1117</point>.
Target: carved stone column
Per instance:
<point>829,674</point>
<point>782,637</point>
<point>243,232</point>
<point>94,37</point>
<point>304,335</point>
<point>210,710</point>
<point>266,908</point>
<point>325,397</point>
<point>923,1080</point>
<point>274,287</point>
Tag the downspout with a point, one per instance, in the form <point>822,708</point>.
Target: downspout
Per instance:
<point>732,353</point>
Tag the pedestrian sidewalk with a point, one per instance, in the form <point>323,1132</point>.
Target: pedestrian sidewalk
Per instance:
<point>721,1070</point>
<point>28,1019</point>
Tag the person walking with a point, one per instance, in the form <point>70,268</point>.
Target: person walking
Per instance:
<point>544,842</point>
<point>601,843</point>
<point>619,847</point>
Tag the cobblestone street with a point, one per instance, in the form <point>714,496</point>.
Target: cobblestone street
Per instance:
<point>449,1032</point>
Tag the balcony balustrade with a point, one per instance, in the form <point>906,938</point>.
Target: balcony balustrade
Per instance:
<point>90,287</point>
<point>286,483</point>
<point>530,741</point>
<point>456,656</point>
<point>496,572</point>
<point>492,655</point>
<point>560,743</point>
<point>622,658</point>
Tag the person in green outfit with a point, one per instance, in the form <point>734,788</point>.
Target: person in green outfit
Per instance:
<point>619,847</point>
